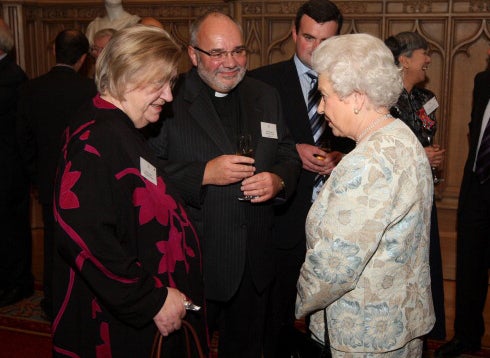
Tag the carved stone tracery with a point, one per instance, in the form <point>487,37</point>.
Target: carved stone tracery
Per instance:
<point>418,6</point>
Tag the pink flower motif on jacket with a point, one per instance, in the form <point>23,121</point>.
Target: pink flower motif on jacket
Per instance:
<point>68,199</point>
<point>68,136</point>
<point>154,202</point>
<point>85,135</point>
<point>172,252</point>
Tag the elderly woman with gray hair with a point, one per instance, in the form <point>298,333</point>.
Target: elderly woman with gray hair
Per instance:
<point>367,262</point>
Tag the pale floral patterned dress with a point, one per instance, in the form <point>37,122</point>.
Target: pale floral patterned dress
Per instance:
<point>367,257</point>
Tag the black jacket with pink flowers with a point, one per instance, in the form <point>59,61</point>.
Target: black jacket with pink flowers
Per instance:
<point>122,238</point>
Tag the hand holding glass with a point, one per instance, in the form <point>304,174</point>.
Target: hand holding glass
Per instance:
<point>244,147</point>
<point>436,179</point>
<point>326,146</point>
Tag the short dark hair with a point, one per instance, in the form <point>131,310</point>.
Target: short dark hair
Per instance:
<point>70,45</point>
<point>321,11</point>
<point>405,43</point>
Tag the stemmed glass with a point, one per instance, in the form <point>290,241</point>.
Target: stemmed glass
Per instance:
<point>245,148</point>
<point>435,178</point>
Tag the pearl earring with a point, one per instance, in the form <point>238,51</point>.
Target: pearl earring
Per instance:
<point>356,111</point>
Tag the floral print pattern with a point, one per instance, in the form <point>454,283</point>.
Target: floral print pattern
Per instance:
<point>367,260</point>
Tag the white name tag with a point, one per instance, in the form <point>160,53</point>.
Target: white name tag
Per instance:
<point>269,130</point>
<point>431,105</point>
<point>148,171</point>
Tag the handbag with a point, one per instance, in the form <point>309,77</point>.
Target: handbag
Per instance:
<point>302,345</point>
<point>190,337</point>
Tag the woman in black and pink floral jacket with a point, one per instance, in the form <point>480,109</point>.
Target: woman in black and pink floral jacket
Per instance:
<point>129,258</point>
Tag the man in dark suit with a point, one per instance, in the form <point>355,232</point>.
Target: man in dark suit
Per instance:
<point>16,280</point>
<point>214,102</point>
<point>473,228</point>
<point>45,106</point>
<point>316,20</point>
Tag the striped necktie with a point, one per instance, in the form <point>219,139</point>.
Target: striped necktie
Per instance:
<point>483,158</point>
<point>317,124</point>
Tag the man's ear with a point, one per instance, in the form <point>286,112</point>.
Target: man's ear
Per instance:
<point>80,62</point>
<point>294,33</point>
<point>192,55</point>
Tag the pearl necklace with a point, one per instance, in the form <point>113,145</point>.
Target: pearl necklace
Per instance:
<point>373,124</point>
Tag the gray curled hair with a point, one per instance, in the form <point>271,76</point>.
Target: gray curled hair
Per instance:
<point>359,63</point>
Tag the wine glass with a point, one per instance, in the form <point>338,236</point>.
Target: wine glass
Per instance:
<point>435,178</point>
<point>245,148</point>
<point>324,144</point>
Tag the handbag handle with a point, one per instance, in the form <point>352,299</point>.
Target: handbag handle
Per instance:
<point>156,350</point>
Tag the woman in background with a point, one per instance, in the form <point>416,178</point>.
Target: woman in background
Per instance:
<point>416,107</point>
<point>367,260</point>
<point>129,258</point>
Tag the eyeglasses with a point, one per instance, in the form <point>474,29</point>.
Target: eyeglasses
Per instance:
<point>221,54</point>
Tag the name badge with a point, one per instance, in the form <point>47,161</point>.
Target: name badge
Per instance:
<point>148,171</point>
<point>431,105</point>
<point>269,130</point>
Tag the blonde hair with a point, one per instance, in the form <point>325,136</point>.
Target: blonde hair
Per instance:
<point>136,56</point>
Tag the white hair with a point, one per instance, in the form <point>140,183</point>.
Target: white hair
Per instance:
<point>359,63</point>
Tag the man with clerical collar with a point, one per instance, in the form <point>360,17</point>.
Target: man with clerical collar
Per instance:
<point>214,103</point>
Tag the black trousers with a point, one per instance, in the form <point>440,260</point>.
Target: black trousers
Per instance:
<point>49,250</point>
<point>15,239</point>
<point>472,261</point>
<point>281,302</point>
<point>436,278</point>
<point>239,321</point>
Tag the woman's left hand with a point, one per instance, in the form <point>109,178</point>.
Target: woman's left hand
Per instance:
<point>169,318</point>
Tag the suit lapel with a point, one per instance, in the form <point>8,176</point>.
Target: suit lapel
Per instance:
<point>253,112</point>
<point>251,109</point>
<point>297,117</point>
<point>203,113</point>
<point>292,86</point>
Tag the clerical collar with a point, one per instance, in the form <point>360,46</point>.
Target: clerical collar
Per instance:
<point>220,94</point>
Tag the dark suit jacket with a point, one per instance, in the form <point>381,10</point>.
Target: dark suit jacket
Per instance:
<point>11,78</point>
<point>481,95</point>
<point>45,107</point>
<point>15,252</point>
<point>290,218</point>
<point>230,231</point>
